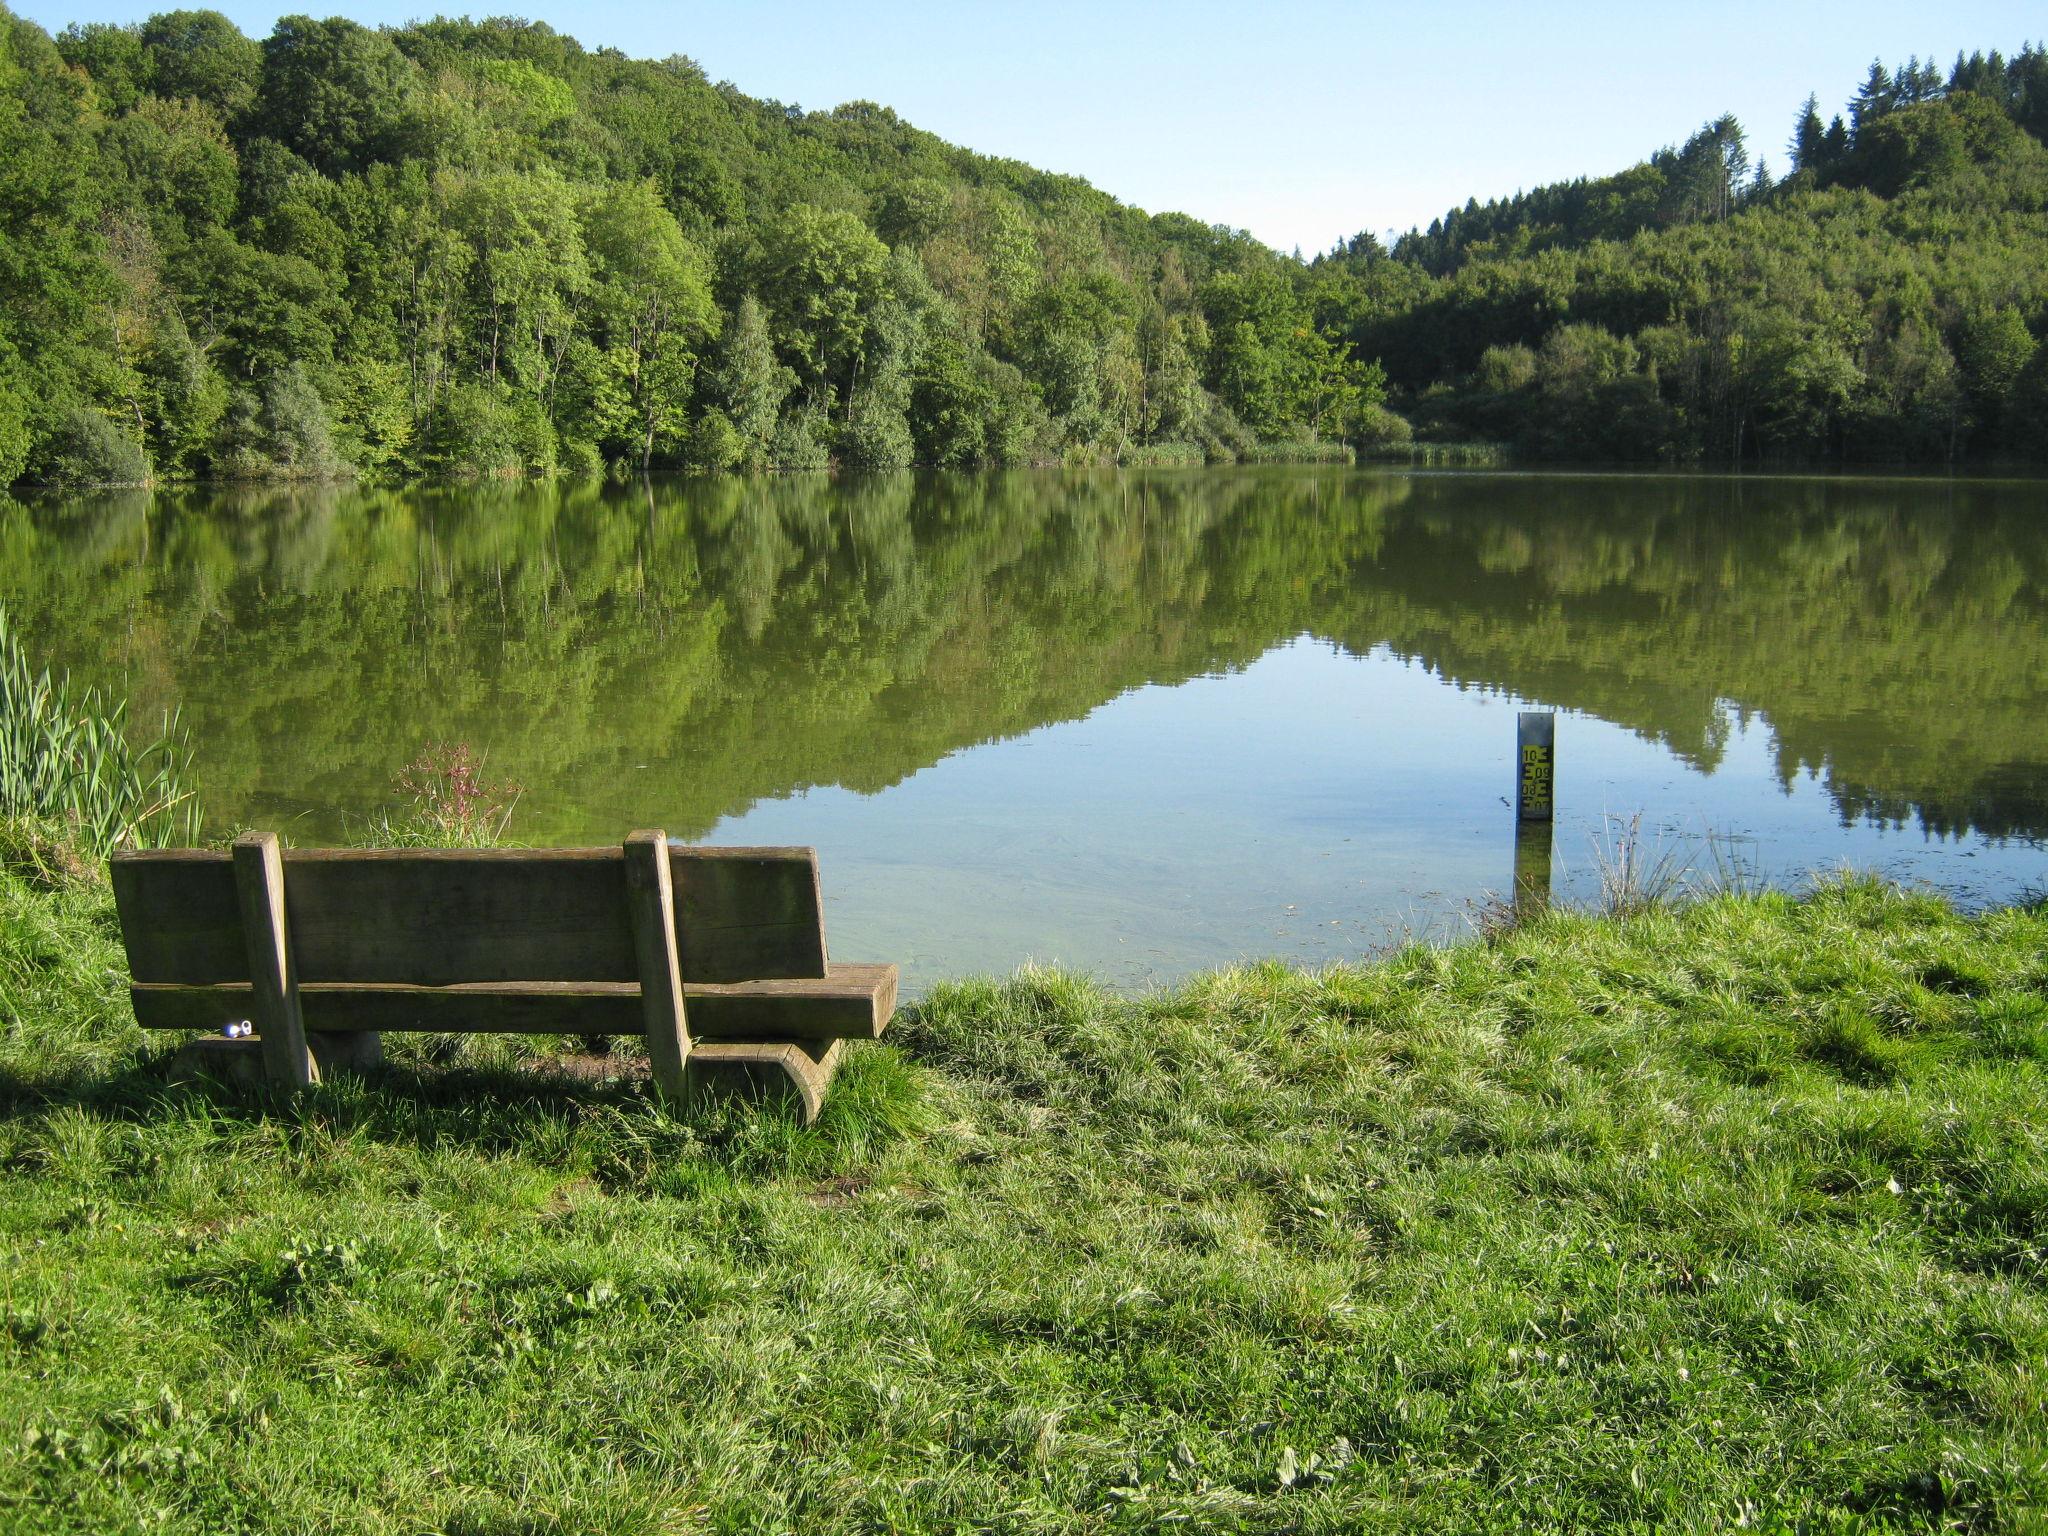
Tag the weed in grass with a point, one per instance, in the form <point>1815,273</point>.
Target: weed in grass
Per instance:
<point>451,803</point>
<point>1637,872</point>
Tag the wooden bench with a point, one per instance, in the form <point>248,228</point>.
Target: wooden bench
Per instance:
<point>715,955</point>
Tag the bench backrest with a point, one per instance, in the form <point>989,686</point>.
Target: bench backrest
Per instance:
<point>436,917</point>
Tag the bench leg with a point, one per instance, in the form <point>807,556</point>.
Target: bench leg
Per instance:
<point>274,999</point>
<point>354,1051</point>
<point>241,1064</point>
<point>650,898</point>
<point>236,1063</point>
<point>804,1067</point>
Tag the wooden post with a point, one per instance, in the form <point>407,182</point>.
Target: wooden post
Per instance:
<point>1535,764</point>
<point>650,893</point>
<point>259,893</point>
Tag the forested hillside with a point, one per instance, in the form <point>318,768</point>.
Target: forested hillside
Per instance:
<point>467,248</point>
<point>1884,302</point>
<point>460,248</point>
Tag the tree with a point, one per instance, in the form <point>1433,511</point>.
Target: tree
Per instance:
<point>184,395</point>
<point>112,56</point>
<point>203,55</point>
<point>1911,147</point>
<point>336,92</point>
<point>1994,349</point>
<point>1709,172</point>
<point>914,210</point>
<point>953,402</point>
<point>1873,100</point>
<point>1837,142</point>
<point>748,384</point>
<point>821,273</point>
<point>300,436</point>
<point>16,434</point>
<point>529,271</point>
<point>1808,147</point>
<point>661,395</point>
<point>479,248</point>
<point>177,161</point>
<point>652,293</point>
<point>1171,405</point>
<point>58,291</point>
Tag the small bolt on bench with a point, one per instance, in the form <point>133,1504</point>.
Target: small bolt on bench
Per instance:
<point>715,955</point>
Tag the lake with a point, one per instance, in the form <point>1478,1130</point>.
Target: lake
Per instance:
<point>1135,723</point>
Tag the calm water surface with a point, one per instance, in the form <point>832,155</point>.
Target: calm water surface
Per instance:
<point>1133,723</point>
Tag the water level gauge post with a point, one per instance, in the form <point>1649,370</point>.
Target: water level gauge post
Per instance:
<point>1535,779</point>
<point>1535,764</point>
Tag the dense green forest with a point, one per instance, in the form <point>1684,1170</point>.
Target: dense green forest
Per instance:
<point>469,249</point>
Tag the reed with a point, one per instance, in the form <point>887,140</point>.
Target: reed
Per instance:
<point>67,762</point>
<point>1433,455</point>
<point>1298,453</point>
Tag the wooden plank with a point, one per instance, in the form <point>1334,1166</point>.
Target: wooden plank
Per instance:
<point>650,900</point>
<point>459,916</point>
<point>749,914</point>
<point>851,1002</point>
<point>274,993</point>
<point>435,917</point>
<point>181,920</point>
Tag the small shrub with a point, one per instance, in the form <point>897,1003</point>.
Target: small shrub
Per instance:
<point>799,441</point>
<point>715,444</point>
<point>15,435</point>
<point>1223,437</point>
<point>1382,431</point>
<point>1503,370</point>
<point>88,449</point>
<point>1637,873</point>
<point>478,432</point>
<point>300,437</point>
<point>1136,455</point>
<point>878,436</point>
<point>1297,453</point>
<point>1459,455</point>
<point>581,460</point>
<point>285,433</point>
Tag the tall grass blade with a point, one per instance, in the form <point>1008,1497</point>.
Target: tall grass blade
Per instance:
<point>67,761</point>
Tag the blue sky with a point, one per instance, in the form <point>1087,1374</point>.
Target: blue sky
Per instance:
<point>1300,121</point>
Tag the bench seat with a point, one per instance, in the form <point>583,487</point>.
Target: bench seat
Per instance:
<point>849,1002</point>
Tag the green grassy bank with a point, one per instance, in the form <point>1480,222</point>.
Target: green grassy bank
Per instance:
<point>1728,1216</point>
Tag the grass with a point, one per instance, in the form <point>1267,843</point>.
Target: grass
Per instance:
<point>1726,1216</point>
